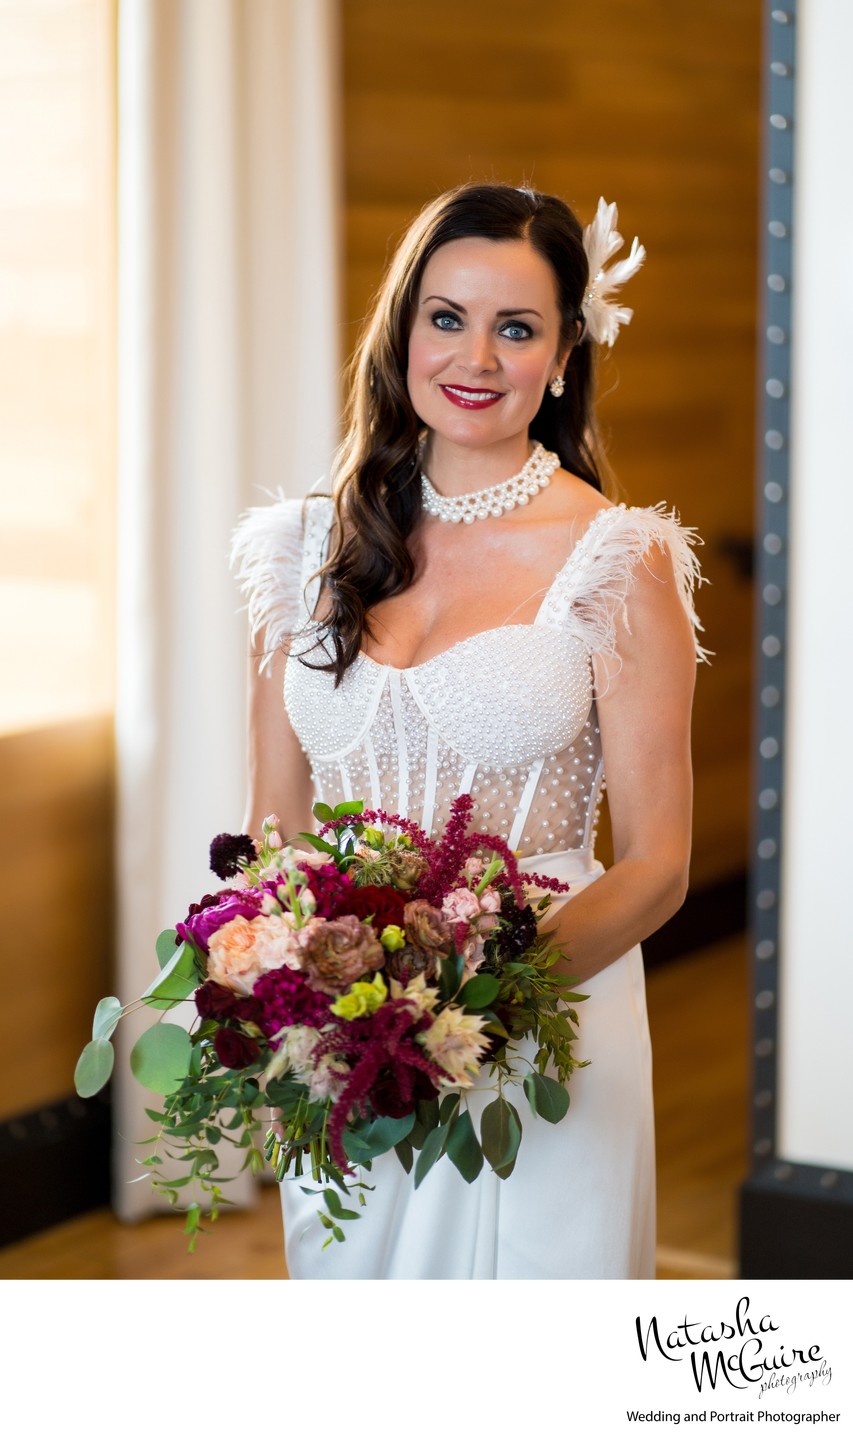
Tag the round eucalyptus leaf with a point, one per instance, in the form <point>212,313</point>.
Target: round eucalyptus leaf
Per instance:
<point>160,1058</point>
<point>106,1016</point>
<point>94,1067</point>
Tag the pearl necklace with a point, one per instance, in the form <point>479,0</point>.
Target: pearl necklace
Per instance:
<point>496,500</point>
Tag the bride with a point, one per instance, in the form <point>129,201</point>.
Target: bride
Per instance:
<point>468,613</point>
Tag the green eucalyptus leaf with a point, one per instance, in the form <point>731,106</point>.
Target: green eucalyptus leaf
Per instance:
<point>106,1016</point>
<point>160,1058</point>
<point>447,1107</point>
<point>176,981</point>
<point>463,1149</point>
<point>94,1067</point>
<point>546,1097</point>
<point>165,946</point>
<point>480,991</point>
<point>405,1153</point>
<point>430,1153</point>
<point>500,1133</point>
<point>370,1140</point>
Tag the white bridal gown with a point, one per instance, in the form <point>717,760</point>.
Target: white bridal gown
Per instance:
<point>508,716</point>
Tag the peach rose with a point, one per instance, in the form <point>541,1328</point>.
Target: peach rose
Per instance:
<point>240,951</point>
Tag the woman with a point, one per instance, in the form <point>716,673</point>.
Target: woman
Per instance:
<point>515,655</point>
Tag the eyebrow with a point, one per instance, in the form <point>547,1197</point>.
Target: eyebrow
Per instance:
<point>460,309</point>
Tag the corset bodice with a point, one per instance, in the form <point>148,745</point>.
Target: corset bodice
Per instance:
<point>507,715</point>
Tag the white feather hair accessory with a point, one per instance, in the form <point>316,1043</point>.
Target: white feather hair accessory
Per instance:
<point>601,239</point>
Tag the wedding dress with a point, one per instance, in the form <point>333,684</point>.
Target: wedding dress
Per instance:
<point>509,716</point>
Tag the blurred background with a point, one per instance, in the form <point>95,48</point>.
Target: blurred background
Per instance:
<point>197,201</point>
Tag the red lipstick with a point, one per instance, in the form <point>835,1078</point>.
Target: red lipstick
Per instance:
<point>467,398</point>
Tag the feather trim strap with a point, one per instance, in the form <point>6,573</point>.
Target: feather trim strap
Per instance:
<point>266,553</point>
<point>592,592</point>
<point>601,239</point>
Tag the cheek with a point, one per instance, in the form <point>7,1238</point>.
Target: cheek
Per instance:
<point>425,357</point>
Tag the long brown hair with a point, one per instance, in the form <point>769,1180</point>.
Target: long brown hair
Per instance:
<point>377,483</point>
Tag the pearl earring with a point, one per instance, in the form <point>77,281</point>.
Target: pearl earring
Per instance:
<point>557,385</point>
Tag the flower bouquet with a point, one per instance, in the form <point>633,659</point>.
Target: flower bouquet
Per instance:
<point>359,987</point>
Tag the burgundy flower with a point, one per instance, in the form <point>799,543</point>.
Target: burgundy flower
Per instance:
<point>248,1010</point>
<point>225,851</point>
<point>286,1001</point>
<point>231,903</point>
<point>329,886</point>
<point>380,903</point>
<point>388,1098</point>
<point>213,1000</point>
<point>234,1049</point>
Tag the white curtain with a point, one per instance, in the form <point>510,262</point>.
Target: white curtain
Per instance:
<point>228,384</point>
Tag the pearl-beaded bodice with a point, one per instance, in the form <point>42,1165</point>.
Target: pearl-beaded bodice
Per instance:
<point>507,715</point>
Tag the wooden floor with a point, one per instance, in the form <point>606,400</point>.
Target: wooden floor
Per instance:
<point>699,1019</point>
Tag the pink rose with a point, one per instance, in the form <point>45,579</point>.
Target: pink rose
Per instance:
<point>338,951</point>
<point>461,905</point>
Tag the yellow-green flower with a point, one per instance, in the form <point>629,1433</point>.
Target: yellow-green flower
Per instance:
<point>392,938</point>
<point>361,1000</point>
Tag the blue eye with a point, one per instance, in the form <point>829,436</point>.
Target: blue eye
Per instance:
<point>439,320</point>
<point>517,330</point>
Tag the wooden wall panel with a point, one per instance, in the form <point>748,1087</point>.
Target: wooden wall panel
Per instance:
<point>654,104</point>
<point>56,836</point>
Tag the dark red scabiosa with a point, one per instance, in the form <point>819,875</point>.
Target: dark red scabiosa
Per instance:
<point>286,1001</point>
<point>379,902</point>
<point>235,1049</point>
<point>518,930</point>
<point>227,849</point>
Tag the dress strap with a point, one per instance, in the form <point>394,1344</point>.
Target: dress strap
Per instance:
<point>592,591</point>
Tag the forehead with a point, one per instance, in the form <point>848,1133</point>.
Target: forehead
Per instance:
<point>510,274</point>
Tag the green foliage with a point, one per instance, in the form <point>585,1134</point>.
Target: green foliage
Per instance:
<point>165,946</point>
<point>480,991</point>
<point>368,1140</point>
<point>176,981</point>
<point>160,1058</point>
<point>106,1017</point>
<point>547,1098</point>
<point>94,1067</point>
<point>463,1148</point>
<point>500,1135</point>
<point>432,1149</point>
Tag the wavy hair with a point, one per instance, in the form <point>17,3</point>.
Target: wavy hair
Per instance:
<point>377,481</point>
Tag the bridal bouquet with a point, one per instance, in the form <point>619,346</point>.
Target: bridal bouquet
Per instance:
<point>360,987</point>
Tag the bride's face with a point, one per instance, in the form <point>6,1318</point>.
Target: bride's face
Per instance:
<point>485,340</point>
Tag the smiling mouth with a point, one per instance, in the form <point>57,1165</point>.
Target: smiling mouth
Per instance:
<point>470,398</point>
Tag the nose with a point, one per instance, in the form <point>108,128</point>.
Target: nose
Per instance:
<point>478,352</point>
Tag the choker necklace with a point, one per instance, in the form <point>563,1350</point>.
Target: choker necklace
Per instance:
<point>496,500</point>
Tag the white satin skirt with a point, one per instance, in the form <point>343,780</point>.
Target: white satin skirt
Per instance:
<point>580,1202</point>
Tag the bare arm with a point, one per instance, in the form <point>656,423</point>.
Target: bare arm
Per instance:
<point>644,715</point>
<point>279,773</point>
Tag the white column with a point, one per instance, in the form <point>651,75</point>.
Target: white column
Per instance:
<point>816,1017</point>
